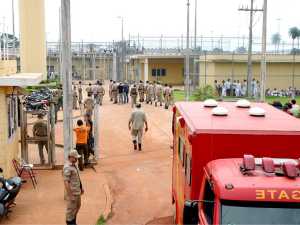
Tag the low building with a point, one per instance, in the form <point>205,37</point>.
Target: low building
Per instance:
<point>167,69</point>
<point>10,86</point>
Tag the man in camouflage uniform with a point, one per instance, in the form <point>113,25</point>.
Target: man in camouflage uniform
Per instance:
<point>73,187</point>
<point>133,95</point>
<point>99,93</point>
<point>158,94</point>
<point>141,90</point>
<point>40,130</point>
<point>55,100</point>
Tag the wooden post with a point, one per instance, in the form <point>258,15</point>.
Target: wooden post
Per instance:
<point>52,135</point>
<point>23,132</point>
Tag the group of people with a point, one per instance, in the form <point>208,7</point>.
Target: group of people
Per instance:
<point>290,92</point>
<point>291,107</point>
<point>149,92</point>
<point>235,88</point>
<point>95,92</point>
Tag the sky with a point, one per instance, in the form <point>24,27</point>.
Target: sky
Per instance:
<point>97,20</point>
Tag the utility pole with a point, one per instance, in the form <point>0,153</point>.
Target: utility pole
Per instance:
<point>13,24</point>
<point>250,70</point>
<point>66,68</point>
<point>187,56</point>
<point>263,54</point>
<point>196,78</point>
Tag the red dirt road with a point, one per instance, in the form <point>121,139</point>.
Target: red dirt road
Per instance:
<point>140,181</point>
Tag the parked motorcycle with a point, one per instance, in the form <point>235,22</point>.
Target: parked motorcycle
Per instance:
<point>9,189</point>
<point>38,100</point>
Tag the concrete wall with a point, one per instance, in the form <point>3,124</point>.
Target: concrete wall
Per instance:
<point>32,36</point>
<point>9,148</point>
<point>8,67</point>
<point>83,67</point>
<point>279,69</point>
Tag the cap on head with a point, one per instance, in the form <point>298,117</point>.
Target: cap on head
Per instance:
<point>74,154</point>
<point>40,115</point>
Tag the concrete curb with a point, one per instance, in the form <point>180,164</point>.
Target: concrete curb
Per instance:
<point>109,202</point>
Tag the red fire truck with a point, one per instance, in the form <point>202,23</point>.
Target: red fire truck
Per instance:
<point>200,137</point>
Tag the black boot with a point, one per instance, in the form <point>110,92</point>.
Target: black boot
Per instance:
<point>140,147</point>
<point>134,145</point>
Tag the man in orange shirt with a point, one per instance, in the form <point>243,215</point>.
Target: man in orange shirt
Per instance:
<point>81,143</point>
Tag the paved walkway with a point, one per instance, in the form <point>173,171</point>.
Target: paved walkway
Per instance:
<point>140,181</point>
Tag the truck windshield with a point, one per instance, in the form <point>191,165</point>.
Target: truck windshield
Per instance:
<point>234,213</point>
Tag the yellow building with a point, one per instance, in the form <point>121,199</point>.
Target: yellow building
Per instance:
<point>167,69</point>
<point>10,84</point>
<point>32,36</point>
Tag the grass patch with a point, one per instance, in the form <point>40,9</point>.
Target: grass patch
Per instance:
<point>101,221</point>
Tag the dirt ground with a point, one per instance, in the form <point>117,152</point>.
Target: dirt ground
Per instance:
<point>140,181</point>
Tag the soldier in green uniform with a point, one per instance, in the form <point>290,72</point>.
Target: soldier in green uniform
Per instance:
<point>133,95</point>
<point>73,187</point>
<point>40,130</point>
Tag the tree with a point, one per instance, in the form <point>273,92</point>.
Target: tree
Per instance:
<point>276,39</point>
<point>294,33</point>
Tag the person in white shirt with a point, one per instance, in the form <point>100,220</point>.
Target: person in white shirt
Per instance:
<point>238,88</point>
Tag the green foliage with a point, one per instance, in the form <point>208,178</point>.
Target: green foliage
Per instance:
<point>101,221</point>
<point>204,93</point>
<point>294,32</point>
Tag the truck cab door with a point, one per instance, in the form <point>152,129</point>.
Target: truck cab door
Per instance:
<point>207,204</point>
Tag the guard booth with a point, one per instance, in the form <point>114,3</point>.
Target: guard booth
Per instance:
<point>28,153</point>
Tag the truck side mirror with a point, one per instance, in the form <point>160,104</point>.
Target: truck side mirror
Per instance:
<point>190,213</point>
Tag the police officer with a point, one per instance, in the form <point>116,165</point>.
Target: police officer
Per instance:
<point>167,96</point>
<point>151,93</point>
<point>89,89</point>
<point>133,95</point>
<point>136,126</point>
<point>141,90</point>
<point>146,88</point>
<point>73,187</point>
<point>111,83</point>
<point>89,105</point>
<point>80,95</point>
<point>99,93</point>
<point>114,92</point>
<point>158,94</point>
<point>75,98</point>
<point>40,130</point>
